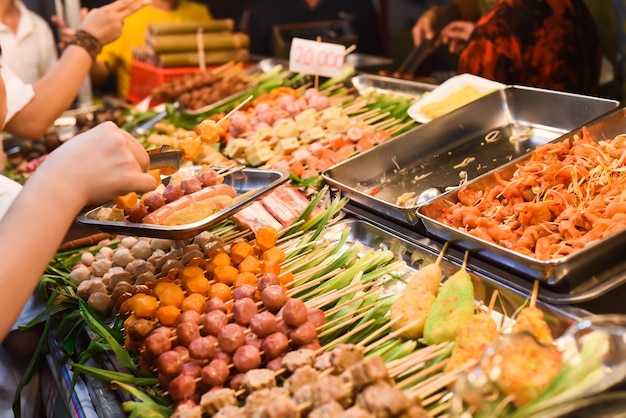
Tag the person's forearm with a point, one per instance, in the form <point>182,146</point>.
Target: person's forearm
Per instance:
<point>54,93</point>
<point>30,233</point>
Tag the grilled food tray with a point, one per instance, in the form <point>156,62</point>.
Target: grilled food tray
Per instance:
<point>250,184</point>
<point>415,254</point>
<point>596,262</point>
<point>368,83</point>
<point>452,149</point>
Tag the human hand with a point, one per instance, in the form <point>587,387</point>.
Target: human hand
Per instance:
<point>431,22</point>
<point>98,165</point>
<point>456,35</point>
<point>106,22</point>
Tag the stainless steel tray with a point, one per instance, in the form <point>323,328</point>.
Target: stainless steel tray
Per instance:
<point>368,83</point>
<point>596,262</point>
<point>434,155</point>
<point>414,254</point>
<point>253,182</point>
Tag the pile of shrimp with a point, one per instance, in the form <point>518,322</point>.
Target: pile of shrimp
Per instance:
<point>567,195</point>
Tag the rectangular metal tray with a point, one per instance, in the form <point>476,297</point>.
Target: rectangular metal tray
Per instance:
<point>255,183</point>
<point>368,83</point>
<point>590,264</point>
<point>415,254</point>
<point>433,154</point>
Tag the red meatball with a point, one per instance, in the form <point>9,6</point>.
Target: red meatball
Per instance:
<point>183,351</point>
<point>263,324</point>
<point>244,291</point>
<point>235,381</point>
<point>167,331</point>
<point>203,348</point>
<point>224,356</point>
<point>213,322</point>
<point>216,304</point>
<point>182,387</point>
<point>268,279</point>
<point>275,345</point>
<point>157,343</point>
<point>281,326</point>
<point>231,337</point>
<point>244,310</point>
<point>317,316</point>
<point>191,368</point>
<point>154,201</point>
<point>207,178</point>
<point>186,332</point>
<point>171,193</point>
<point>252,339</point>
<point>170,363</point>
<point>303,334</point>
<point>273,297</point>
<point>313,345</point>
<point>247,357</point>
<point>275,364</point>
<point>190,185</point>
<point>295,312</point>
<point>164,380</point>
<point>136,213</point>
<point>190,316</point>
<point>215,373</point>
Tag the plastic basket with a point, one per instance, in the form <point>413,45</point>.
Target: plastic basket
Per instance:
<point>144,77</point>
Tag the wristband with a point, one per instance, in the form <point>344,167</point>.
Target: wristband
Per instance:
<point>85,40</point>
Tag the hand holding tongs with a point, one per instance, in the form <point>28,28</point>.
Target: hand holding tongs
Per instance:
<point>165,159</point>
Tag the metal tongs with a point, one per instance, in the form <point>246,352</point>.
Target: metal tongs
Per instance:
<point>165,159</point>
<point>417,56</point>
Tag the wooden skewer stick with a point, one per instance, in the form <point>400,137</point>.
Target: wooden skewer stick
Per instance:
<point>407,382</point>
<point>391,335</point>
<point>349,49</point>
<point>353,319</point>
<point>409,364</point>
<point>434,398</point>
<point>348,334</point>
<point>378,332</point>
<point>535,294</point>
<point>236,108</point>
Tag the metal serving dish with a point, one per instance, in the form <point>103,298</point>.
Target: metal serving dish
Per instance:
<point>449,150</point>
<point>415,254</point>
<point>595,263</point>
<point>367,83</point>
<point>254,183</point>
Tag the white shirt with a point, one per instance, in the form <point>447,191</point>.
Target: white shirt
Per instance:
<point>18,92</point>
<point>30,52</point>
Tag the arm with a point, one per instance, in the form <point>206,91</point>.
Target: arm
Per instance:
<point>437,17</point>
<point>56,90</point>
<point>92,167</point>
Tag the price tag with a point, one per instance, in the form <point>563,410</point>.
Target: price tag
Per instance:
<point>316,58</point>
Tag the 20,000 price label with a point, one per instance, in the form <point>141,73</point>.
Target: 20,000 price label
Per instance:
<point>317,58</point>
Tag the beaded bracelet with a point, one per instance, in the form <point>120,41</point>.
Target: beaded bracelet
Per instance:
<point>87,41</point>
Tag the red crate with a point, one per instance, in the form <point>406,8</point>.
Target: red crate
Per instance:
<point>144,77</point>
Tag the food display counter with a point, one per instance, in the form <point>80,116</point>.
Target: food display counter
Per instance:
<point>175,305</point>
